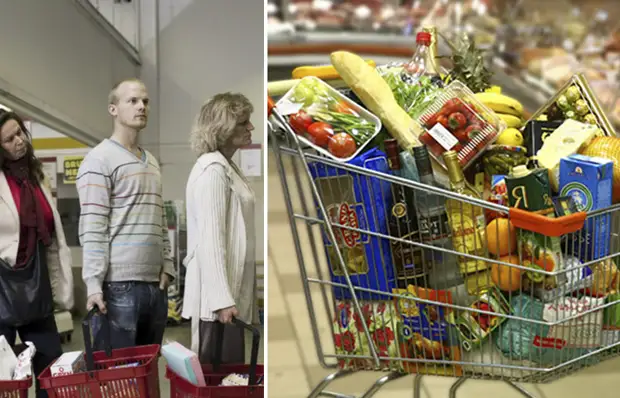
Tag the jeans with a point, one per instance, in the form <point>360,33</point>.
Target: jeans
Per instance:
<point>44,335</point>
<point>137,312</point>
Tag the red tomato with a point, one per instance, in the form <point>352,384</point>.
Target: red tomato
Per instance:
<point>426,139</point>
<point>436,148</point>
<point>343,107</point>
<point>300,122</point>
<point>342,145</point>
<point>461,135</point>
<point>431,120</point>
<point>457,120</point>
<point>319,133</point>
<point>443,120</point>
<point>473,131</point>
<point>451,106</point>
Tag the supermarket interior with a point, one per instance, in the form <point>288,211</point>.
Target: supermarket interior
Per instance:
<point>443,109</point>
<point>61,59</point>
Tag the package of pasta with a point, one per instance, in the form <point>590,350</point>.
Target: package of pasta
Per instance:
<point>356,203</point>
<point>351,341</point>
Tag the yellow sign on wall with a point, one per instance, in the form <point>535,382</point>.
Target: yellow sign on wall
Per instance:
<point>71,166</point>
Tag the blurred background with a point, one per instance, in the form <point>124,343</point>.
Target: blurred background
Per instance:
<point>532,46</point>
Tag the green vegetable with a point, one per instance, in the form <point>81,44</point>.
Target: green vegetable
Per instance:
<point>360,129</point>
<point>590,118</point>
<point>581,107</point>
<point>563,103</point>
<point>572,94</point>
<point>309,92</point>
<point>413,98</point>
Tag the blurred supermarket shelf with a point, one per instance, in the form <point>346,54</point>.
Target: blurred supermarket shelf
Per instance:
<point>287,51</point>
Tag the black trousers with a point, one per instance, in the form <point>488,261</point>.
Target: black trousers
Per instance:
<point>44,335</point>
<point>233,349</point>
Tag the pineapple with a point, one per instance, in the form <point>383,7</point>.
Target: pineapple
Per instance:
<point>468,65</point>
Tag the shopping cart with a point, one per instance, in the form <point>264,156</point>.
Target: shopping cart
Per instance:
<point>15,388</point>
<point>214,374</point>
<point>127,372</point>
<point>521,318</point>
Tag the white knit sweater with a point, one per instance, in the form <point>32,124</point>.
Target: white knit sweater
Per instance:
<point>221,266</point>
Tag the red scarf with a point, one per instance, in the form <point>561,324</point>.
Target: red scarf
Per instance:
<point>32,224</point>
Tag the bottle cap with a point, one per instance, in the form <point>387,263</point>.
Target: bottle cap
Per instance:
<point>422,160</point>
<point>423,38</point>
<point>391,150</point>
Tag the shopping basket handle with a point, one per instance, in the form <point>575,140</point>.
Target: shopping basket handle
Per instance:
<point>255,345</point>
<point>104,333</point>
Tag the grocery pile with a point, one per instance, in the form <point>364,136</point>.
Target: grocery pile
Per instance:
<point>475,200</point>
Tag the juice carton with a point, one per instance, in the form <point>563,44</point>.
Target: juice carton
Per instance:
<point>588,180</point>
<point>530,190</point>
<point>428,332</point>
<point>358,203</point>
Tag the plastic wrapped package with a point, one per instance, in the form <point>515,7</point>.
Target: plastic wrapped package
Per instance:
<point>551,345</point>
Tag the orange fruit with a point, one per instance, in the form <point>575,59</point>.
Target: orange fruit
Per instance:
<point>501,237</point>
<point>545,261</point>
<point>507,278</point>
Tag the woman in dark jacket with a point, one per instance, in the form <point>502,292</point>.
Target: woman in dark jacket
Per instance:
<point>35,262</point>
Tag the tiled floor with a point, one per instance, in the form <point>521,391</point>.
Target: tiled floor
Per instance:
<point>294,368</point>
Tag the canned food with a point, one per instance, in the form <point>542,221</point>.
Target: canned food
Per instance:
<point>474,327</point>
<point>470,331</point>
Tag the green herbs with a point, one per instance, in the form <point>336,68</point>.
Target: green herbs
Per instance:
<point>360,129</point>
<point>413,98</point>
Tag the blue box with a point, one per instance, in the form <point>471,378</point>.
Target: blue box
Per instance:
<point>361,202</point>
<point>588,180</point>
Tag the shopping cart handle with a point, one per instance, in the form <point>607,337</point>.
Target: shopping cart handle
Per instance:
<point>216,361</point>
<point>104,334</point>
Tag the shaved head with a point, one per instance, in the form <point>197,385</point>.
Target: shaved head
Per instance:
<point>113,96</point>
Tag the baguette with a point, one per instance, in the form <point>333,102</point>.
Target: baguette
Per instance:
<point>376,95</point>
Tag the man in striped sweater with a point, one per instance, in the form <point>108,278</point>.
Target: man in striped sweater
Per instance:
<point>127,263</point>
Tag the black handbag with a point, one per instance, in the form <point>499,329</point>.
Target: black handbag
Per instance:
<point>26,293</point>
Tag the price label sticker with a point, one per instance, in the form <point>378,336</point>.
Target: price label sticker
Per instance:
<point>288,108</point>
<point>443,136</point>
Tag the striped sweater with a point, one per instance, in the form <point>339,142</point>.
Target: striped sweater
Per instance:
<point>122,228</point>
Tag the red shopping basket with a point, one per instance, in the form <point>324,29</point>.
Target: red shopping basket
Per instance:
<point>15,388</point>
<point>128,372</point>
<point>214,374</point>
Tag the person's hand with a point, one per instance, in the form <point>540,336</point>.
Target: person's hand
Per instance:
<point>225,315</point>
<point>96,300</point>
<point>164,281</point>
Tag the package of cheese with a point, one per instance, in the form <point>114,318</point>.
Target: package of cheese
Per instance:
<point>563,142</point>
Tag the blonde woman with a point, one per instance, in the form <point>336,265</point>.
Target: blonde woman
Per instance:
<point>221,269</point>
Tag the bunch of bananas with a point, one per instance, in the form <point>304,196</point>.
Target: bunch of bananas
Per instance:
<point>509,110</point>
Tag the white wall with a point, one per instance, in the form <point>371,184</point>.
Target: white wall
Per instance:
<point>123,16</point>
<point>59,60</point>
<point>204,48</point>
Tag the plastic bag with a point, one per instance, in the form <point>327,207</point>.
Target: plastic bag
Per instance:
<point>23,368</point>
<point>550,346</point>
